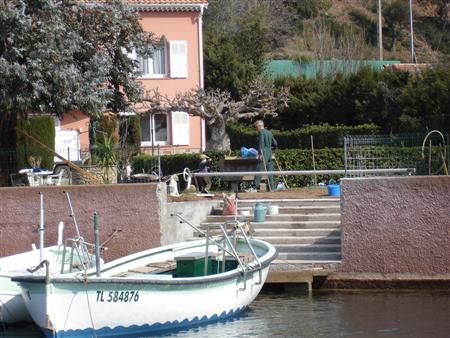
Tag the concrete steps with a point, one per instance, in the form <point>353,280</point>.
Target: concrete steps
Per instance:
<point>282,217</point>
<point>302,240</point>
<point>286,209</point>
<point>310,256</point>
<point>284,224</point>
<point>302,248</point>
<point>306,231</point>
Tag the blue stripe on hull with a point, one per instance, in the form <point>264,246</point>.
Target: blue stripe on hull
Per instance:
<point>140,331</point>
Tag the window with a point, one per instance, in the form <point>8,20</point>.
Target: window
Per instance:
<point>154,127</point>
<point>155,64</point>
<point>180,128</point>
<point>178,59</point>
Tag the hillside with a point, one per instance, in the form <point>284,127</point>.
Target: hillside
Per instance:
<point>335,29</point>
<point>348,29</point>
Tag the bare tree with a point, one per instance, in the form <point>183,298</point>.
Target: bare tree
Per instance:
<point>218,108</point>
<point>348,47</point>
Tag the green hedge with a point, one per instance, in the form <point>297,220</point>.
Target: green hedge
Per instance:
<point>130,127</point>
<point>297,159</point>
<point>289,159</point>
<point>41,128</point>
<point>325,136</point>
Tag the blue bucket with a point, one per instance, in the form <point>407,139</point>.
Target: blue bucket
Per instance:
<point>334,189</point>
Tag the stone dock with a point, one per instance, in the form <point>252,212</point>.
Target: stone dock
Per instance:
<point>381,232</point>
<point>306,233</point>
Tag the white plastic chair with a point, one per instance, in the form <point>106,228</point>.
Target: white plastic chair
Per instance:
<point>56,179</point>
<point>33,179</point>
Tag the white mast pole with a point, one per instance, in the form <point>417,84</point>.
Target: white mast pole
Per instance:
<point>41,228</point>
<point>380,33</point>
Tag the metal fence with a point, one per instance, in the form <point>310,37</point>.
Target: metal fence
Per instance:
<point>396,151</point>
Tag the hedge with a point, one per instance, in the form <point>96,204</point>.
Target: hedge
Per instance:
<point>289,159</point>
<point>41,128</point>
<point>103,125</point>
<point>295,159</point>
<point>130,127</point>
<point>324,136</point>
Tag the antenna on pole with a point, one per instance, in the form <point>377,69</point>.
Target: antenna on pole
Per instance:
<point>413,54</point>
<point>380,33</point>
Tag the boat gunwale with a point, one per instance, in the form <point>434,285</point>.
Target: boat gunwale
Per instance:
<point>232,274</point>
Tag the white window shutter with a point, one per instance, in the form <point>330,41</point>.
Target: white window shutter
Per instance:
<point>178,59</point>
<point>180,128</point>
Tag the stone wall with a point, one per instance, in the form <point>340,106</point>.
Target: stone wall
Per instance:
<point>196,212</point>
<point>130,213</point>
<point>395,228</point>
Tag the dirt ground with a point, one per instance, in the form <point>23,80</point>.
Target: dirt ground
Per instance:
<point>284,194</point>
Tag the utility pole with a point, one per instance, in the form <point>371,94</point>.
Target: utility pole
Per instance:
<point>413,54</point>
<point>380,33</point>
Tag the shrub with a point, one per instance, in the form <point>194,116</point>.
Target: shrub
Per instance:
<point>323,135</point>
<point>130,129</point>
<point>43,129</point>
<point>398,102</point>
<point>297,159</point>
<point>288,159</point>
<point>104,125</point>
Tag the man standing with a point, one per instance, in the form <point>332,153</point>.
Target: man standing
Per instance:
<point>265,142</point>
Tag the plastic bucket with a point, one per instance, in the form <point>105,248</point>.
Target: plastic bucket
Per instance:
<point>259,212</point>
<point>334,189</point>
<point>273,209</point>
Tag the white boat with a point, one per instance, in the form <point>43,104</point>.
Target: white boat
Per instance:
<point>158,289</point>
<point>12,307</point>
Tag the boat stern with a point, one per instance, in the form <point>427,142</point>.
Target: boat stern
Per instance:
<point>34,291</point>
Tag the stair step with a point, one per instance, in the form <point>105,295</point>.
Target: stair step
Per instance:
<point>300,248</point>
<point>301,240</point>
<point>304,210</point>
<point>302,261</point>
<point>291,202</point>
<point>297,232</point>
<point>282,225</point>
<point>280,217</point>
<point>311,256</point>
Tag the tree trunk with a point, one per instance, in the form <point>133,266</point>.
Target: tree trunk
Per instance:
<point>217,137</point>
<point>8,154</point>
<point>394,43</point>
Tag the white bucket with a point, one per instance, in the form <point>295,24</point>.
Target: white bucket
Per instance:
<point>273,209</point>
<point>245,212</point>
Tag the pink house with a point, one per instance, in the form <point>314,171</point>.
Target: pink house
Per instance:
<point>176,66</point>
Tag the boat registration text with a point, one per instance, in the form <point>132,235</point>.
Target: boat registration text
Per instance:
<point>117,296</point>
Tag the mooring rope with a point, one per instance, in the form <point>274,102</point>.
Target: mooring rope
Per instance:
<point>89,304</point>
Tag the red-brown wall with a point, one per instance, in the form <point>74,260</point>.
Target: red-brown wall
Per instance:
<point>396,226</point>
<point>132,208</point>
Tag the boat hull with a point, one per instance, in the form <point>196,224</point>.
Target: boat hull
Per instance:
<point>12,307</point>
<point>126,300</point>
<point>79,309</point>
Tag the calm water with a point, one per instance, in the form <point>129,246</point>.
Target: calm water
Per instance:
<point>325,314</point>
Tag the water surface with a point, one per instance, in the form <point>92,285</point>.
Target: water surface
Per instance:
<point>324,314</point>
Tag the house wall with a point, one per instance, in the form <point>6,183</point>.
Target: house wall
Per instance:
<point>174,26</point>
<point>395,228</point>
<point>131,209</point>
<point>76,120</point>
<point>177,26</point>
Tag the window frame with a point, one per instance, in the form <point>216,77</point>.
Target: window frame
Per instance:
<point>166,64</point>
<point>152,131</point>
